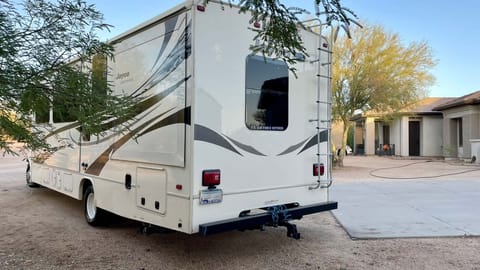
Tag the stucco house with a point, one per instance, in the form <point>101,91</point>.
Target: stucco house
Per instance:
<point>414,131</point>
<point>461,126</point>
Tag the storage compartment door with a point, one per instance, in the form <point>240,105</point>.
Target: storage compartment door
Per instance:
<point>151,189</point>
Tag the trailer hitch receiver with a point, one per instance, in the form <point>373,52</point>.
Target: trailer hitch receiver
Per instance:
<point>291,230</point>
<point>281,217</point>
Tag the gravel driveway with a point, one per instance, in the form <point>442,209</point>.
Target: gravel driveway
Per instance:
<point>40,229</point>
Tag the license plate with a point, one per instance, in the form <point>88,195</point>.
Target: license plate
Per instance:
<point>210,196</point>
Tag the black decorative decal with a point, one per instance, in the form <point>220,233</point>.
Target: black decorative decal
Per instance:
<point>175,58</point>
<point>314,140</point>
<point>292,148</point>
<point>97,166</point>
<point>207,135</point>
<point>169,28</point>
<point>246,148</point>
<point>179,117</point>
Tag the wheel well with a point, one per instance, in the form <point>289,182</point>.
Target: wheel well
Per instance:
<point>84,184</point>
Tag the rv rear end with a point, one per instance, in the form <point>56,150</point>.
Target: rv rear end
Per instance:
<point>222,139</point>
<point>260,145</point>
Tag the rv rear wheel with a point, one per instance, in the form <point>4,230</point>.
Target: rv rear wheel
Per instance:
<point>94,215</point>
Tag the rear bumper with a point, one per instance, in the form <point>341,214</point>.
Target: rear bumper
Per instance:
<point>248,222</point>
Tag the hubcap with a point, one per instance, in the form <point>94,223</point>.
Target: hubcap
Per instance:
<point>91,208</point>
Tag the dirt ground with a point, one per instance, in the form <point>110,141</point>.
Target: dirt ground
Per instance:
<point>40,229</point>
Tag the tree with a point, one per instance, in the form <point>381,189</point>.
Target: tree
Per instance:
<point>39,39</point>
<point>279,36</point>
<point>374,71</point>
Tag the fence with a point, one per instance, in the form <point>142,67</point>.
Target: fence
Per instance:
<point>385,150</point>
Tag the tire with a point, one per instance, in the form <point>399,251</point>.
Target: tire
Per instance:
<point>93,215</point>
<point>28,178</point>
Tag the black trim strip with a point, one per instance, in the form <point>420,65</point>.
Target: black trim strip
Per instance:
<point>314,140</point>
<point>207,135</point>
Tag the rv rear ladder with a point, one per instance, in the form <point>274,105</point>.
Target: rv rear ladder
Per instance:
<point>324,110</point>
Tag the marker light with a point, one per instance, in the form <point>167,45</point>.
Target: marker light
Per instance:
<point>318,169</point>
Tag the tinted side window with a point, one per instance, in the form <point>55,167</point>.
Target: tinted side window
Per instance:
<point>266,94</point>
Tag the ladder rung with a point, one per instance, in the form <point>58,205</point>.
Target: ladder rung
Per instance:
<point>316,119</point>
<point>324,76</point>
<point>325,50</point>
<point>324,102</point>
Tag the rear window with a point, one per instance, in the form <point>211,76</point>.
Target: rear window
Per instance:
<point>266,94</point>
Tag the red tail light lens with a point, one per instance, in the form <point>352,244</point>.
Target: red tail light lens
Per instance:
<point>201,8</point>
<point>210,178</point>
<point>318,169</point>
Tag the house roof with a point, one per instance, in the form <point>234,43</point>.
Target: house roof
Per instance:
<point>424,106</point>
<point>427,105</point>
<point>470,99</point>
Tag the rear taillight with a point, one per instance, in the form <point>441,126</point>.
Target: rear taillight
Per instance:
<point>318,169</point>
<point>210,178</point>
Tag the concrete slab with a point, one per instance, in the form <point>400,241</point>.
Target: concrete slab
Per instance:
<point>413,208</point>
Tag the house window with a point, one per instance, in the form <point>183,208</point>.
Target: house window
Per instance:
<point>266,94</point>
<point>460,132</point>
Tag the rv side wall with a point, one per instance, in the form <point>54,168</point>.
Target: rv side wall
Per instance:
<point>139,166</point>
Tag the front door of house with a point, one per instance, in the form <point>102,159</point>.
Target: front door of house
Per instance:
<point>414,138</point>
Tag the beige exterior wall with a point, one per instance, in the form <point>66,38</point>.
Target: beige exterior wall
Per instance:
<point>369,133</point>
<point>470,116</point>
<point>431,136</point>
<point>431,132</point>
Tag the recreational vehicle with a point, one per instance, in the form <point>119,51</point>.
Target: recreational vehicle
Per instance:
<point>223,139</point>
